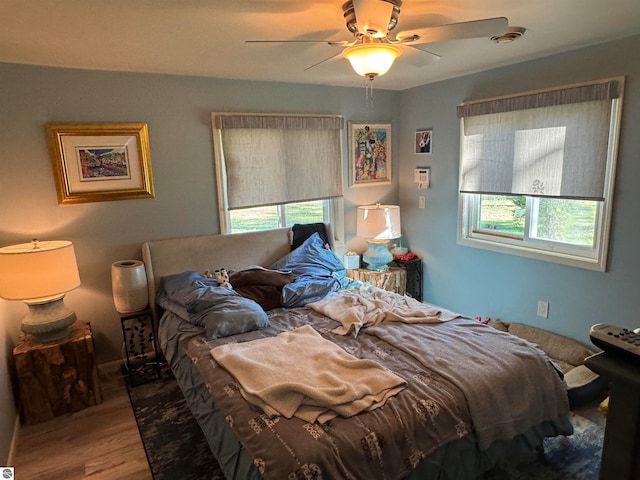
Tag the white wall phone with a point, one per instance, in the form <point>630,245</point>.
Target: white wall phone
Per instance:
<point>422,176</point>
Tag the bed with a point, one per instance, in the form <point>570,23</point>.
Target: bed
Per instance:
<point>458,396</point>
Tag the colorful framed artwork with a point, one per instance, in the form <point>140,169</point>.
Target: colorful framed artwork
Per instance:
<point>94,162</point>
<point>369,153</point>
<point>424,141</point>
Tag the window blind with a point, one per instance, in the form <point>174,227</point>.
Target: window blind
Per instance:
<point>276,159</point>
<point>551,144</point>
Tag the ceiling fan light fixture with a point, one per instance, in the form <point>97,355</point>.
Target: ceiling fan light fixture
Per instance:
<point>372,59</point>
<point>349,13</point>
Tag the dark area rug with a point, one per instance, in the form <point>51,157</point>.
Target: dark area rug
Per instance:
<point>176,447</point>
<point>576,457</point>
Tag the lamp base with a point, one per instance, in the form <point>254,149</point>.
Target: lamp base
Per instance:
<point>377,255</point>
<point>48,320</point>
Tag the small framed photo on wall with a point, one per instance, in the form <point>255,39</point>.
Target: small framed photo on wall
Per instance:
<point>424,141</point>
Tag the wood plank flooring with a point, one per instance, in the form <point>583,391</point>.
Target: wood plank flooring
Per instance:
<point>100,442</point>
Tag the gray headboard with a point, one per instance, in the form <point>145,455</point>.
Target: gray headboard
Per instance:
<point>231,251</point>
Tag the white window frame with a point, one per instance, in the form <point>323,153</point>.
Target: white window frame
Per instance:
<point>469,234</point>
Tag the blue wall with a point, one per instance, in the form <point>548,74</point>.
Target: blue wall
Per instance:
<point>479,282</point>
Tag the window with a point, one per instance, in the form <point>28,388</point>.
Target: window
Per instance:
<point>276,216</point>
<point>276,170</point>
<point>537,173</point>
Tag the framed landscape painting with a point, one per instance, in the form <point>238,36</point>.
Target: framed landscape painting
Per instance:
<point>369,153</point>
<point>95,162</point>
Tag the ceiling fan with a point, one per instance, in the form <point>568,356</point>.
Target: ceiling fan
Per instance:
<point>374,49</point>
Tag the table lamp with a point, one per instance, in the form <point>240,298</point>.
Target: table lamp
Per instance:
<point>40,274</point>
<point>378,224</point>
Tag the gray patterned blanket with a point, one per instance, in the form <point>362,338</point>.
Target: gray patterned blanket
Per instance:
<point>461,377</point>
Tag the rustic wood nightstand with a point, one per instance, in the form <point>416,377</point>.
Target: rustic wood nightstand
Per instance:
<point>393,280</point>
<point>58,377</point>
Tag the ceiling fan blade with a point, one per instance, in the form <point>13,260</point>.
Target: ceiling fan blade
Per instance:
<point>333,57</point>
<point>372,17</point>
<point>455,31</point>
<point>420,58</point>
<point>333,43</point>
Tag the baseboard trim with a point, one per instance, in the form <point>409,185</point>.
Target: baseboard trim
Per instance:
<point>110,370</point>
<point>14,441</point>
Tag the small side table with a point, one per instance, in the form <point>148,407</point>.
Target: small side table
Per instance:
<point>393,280</point>
<point>56,378</point>
<point>414,276</point>
<point>139,334</point>
<point>621,449</point>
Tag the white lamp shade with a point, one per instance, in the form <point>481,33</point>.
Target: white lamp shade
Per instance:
<point>381,222</point>
<point>38,270</point>
<point>129,286</point>
<point>371,59</point>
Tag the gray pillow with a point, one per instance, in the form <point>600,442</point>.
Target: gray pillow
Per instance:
<point>174,291</point>
<point>218,310</point>
<point>224,313</point>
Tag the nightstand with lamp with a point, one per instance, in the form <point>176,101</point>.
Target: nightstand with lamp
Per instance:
<point>378,224</point>
<point>54,356</point>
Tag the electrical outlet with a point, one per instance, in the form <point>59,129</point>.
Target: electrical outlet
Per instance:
<point>543,309</point>
<point>421,201</point>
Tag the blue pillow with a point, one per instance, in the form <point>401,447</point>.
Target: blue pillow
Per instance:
<point>316,271</point>
<point>218,310</point>
<point>223,312</point>
<point>175,291</point>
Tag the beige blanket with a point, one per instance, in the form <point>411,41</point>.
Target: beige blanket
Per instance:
<point>367,306</point>
<point>299,373</point>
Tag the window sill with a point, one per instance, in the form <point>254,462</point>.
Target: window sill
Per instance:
<point>526,251</point>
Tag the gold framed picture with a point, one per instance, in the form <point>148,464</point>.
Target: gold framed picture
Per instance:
<point>95,162</point>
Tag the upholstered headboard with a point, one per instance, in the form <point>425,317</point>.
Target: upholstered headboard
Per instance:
<point>231,251</point>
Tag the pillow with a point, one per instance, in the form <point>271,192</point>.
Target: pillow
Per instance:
<point>174,289</point>
<point>266,296</point>
<point>223,312</point>
<point>260,285</point>
<point>218,310</point>
<point>316,270</point>
<point>256,275</point>
<point>305,290</point>
<point>301,231</point>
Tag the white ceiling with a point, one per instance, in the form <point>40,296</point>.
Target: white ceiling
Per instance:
<point>207,37</point>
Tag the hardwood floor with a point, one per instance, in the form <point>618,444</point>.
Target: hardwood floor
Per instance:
<point>100,442</point>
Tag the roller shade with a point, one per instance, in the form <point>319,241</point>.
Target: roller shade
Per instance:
<point>276,159</point>
<point>550,144</point>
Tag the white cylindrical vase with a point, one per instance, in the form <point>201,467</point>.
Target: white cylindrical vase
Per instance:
<point>129,286</point>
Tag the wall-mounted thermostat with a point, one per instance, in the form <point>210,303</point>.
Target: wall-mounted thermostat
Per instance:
<point>422,176</point>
